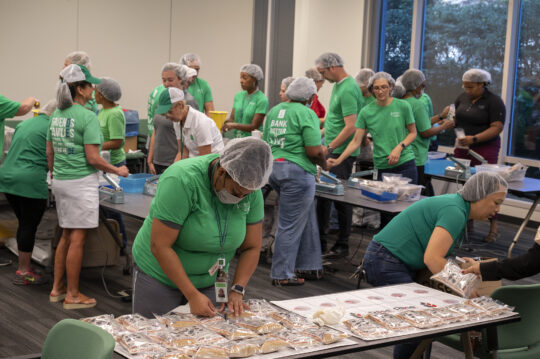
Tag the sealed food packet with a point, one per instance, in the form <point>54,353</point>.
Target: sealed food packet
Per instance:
<point>260,306</point>
<point>241,348</point>
<point>366,328</point>
<point>105,322</point>
<point>260,325</point>
<point>170,354</point>
<point>490,305</point>
<point>138,343</point>
<point>470,312</point>
<point>292,320</point>
<point>230,331</point>
<point>451,276</point>
<point>325,335</point>
<point>388,320</point>
<point>211,352</point>
<point>178,320</point>
<point>447,315</point>
<point>162,337</point>
<point>296,340</point>
<point>138,323</point>
<point>267,344</point>
<point>420,318</point>
<point>197,335</point>
<point>214,319</point>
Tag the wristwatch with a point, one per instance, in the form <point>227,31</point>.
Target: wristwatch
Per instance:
<point>238,289</point>
<point>403,145</point>
<point>475,139</point>
<point>330,149</point>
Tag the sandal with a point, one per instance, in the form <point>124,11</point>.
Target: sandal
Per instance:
<point>315,274</point>
<point>294,281</point>
<point>491,237</point>
<point>57,298</point>
<point>80,302</point>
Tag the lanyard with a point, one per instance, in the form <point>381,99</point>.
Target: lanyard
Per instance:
<point>182,141</point>
<point>222,231</point>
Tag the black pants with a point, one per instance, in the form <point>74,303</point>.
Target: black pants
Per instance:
<point>425,180</point>
<point>160,168</point>
<point>343,171</point>
<point>29,212</point>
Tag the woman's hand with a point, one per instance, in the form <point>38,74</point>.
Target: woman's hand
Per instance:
<point>444,112</point>
<point>394,156</point>
<point>122,171</point>
<point>465,141</point>
<point>151,168</point>
<point>200,304</point>
<point>227,126</point>
<point>235,304</point>
<point>474,267</point>
<point>332,162</point>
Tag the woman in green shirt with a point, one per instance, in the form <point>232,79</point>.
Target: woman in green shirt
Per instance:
<point>205,209</point>
<point>250,105</point>
<point>426,232</point>
<point>82,58</point>
<point>292,130</point>
<point>73,141</point>
<point>199,88</point>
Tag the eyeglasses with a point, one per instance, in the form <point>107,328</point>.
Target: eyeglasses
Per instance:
<point>381,88</point>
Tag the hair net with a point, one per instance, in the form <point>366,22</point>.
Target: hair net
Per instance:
<point>110,89</point>
<point>49,108</point>
<point>477,75</point>
<point>399,90</point>
<point>287,81</point>
<point>380,75</point>
<point>177,68</point>
<point>481,185</point>
<point>190,59</point>
<point>412,78</point>
<point>329,59</point>
<point>190,72</point>
<point>301,89</point>
<point>253,70</point>
<point>313,74</point>
<point>248,161</point>
<point>362,78</point>
<point>79,58</point>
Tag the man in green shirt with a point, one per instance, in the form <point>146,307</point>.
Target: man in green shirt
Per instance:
<point>362,79</point>
<point>199,88</point>
<point>346,102</point>
<point>205,208</point>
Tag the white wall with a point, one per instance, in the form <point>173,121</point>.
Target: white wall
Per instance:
<point>128,40</point>
<point>328,26</point>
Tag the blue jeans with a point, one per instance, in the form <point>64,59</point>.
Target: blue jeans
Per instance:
<point>297,244</point>
<point>383,268</point>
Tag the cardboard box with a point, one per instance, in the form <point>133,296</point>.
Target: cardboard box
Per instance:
<point>130,144</point>
<point>100,248</point>
<point>484,289</point>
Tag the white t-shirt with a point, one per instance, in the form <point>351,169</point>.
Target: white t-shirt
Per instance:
<point>199,130</point>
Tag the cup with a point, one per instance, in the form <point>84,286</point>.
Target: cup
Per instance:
<point>460,133</point>
<point>256,133</point>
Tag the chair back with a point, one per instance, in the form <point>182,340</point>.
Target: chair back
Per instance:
<point>71,338</point>
<point>526,300</point>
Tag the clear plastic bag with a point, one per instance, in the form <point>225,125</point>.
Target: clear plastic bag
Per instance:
<point>211,352</point>
<point>292,320</point>
<point>138,323</point>
<point>447,315</point>
<point>178,320</point>
<point>452,277</point>
<point>241,348</point>
<point>366,328</point>
<point>420,318</point>
<point>325,335</point>
<point>490,305</point>
<point>296,340</point>
<point>138,343</point>
<point>388,320</point>
<point>230,331</point>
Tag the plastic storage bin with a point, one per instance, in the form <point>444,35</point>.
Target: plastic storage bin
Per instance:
<point>409,192</point>
<point>219,118</point>
<point>132,122</point>
<point>134,183</point>
<point>514,173</point>
<point>377,194</point>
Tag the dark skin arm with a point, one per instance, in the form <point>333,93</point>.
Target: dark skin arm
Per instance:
<point>112,145</point>
<point>494,129</point>
<point>256,122</point>
<point>316,155</point>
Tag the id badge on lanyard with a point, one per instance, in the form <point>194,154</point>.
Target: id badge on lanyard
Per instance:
<point>220,284</point>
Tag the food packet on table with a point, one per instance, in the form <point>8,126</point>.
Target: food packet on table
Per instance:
<point>178,320</point>
<point>105,322</point>
<point>241,348</point>
<point>196,335</point>
<point>366,328</point>
<point>295,339</point>
<point>211,352</point>
<point>230,330</point>
<point>267,344</point>
<point>388,320</point>
<point>447,315</point>
<point>451,276</point>
<point>139,343</point>
<point>470,312</point>
<point>490,305</point>
<point>330,316</point>
<point>169,354</point>
<point>420,318</point>
<point>325,334</point>
<point>260,307</point>
<point>259,325</point>
<point>292,320</point>
<point>138,323</point>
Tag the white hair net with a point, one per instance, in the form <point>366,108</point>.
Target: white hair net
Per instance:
<point>49,108</point>
<point>362,78</point>
<point>190,59</point>
<point>248,161</point>
<point>329,59</point>
<point>177,68</point>
<point>110,89</point>
<point>313,74</point>
<point>190,72</point>
<point>253,70</point>
<point>79,58</point>
<point>287,81</point>
<point>481,185</point>
<point>399,90</point>
<point>477,75</point>
<point>412,78</point>
<point>301,89</point>
<point>380,75</point>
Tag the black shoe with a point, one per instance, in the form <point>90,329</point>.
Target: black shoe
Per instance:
<point>309,274</point>
<point>5,262</point>
<point>337,252</point>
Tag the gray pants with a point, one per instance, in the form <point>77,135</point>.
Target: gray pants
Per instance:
<point>153,297</point>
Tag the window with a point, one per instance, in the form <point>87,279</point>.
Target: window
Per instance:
<point>459,35</point>
<point>524,137</point>
<point>396,37</point>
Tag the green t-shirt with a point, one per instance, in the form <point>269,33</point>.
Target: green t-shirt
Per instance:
<point>408,234</point>
<point>92,104</point>
<point>369,100</point>
<point>388,127</point>
<point>200,90</point>
<point>420,144</point>
<point>151,107</point>
<point>185,198</point>
<point>24,171</point>
<point>426,100</point>
<point>346,99</point>
<point>70,129</point>
<point>8,109</point>
<point>113,127</point>
<point>246,106</point>
<point>289,127</point>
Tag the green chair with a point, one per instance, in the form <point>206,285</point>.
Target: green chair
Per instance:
<point>515,340</point>
<point>71,338</point>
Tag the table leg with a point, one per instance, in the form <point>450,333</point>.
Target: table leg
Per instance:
<point>421,348</point>
<point>523,224</point>
<point>467,347</point>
